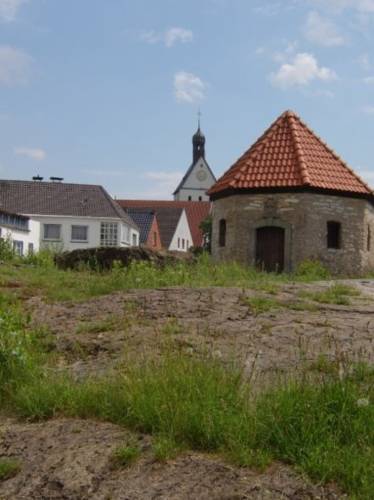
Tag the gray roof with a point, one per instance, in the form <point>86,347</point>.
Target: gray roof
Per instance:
<point>168,219</point>
<point>59,198</point>
<point>144,219</point>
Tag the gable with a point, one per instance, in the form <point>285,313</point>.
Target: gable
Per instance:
<point>198,176</point>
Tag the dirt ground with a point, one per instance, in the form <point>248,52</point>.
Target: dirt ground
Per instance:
<point>72,459</point>
<point>95,335</point>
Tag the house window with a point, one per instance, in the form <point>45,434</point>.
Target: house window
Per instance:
<point>183,243</point>
<point>333,235</point>
<point>134,240</point>
<point>30,249</point>
<point>200,198</point>
<point>369,239</point>
<point>154,239</point>
<point>222,233</point>
<point>188,244</point>
<point>18,247</point>
<point>190,198</point>
<point>79,233</point>
<point>179,242</point>
<point>52,232</point>
<point>108,234</point>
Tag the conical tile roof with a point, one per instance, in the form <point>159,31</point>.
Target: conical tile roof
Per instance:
<point>290,155</point>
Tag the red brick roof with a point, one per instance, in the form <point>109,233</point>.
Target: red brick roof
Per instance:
<point>196,212</point>
<point>290,155</point>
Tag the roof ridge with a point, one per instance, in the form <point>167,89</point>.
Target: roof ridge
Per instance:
<point>335,154</point>
<point>292,119</point>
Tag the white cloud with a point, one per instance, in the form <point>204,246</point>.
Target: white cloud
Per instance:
<point>170,37</point>
<point>368,110</point>
<point>15,66</point>
<point>369,80</point>
<point>174,35</point>
<point>32,153</point>
<point>9,9</point>
<point>364,62</point>
<point>302,71</point>
<point>322,31</point>
<point>164,183</point>
<point>363,6</point>
<point>188,87</point>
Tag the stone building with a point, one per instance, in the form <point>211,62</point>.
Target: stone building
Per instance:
<point>199,176</point>
<point>290,198</point>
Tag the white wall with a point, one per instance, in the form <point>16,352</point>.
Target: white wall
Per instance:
<point>31,236</point>
<point>93,236</point>
<point>195,185</point>
<point>182,232</point>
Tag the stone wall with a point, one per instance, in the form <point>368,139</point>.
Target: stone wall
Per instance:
<point>304,217</point>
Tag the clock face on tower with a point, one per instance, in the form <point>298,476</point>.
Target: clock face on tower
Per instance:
<point>201,175</point>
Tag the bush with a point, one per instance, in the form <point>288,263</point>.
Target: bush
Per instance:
<point>6,249</point>
<point>312,270</point>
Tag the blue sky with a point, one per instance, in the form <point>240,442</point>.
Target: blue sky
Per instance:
<point>107,91</point>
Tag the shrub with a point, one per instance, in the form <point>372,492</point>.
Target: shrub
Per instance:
<point>312,270</point>
<point>126,455</point>
<point>6,249</point>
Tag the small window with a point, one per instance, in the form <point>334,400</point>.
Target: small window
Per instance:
<point>188,244</point>
<point>369,239</point>
<point>222,233</point>
<point>183,242</point>
<point>134,240</point>
<point>154,239</point>
<point>333,235</point>
<point>179,242</point>
<point>30,249</point>
<point>190,198</point>
<point>52,231</point>
<point>200,198</point>
<point>18,247</point>
<point>79,233</point>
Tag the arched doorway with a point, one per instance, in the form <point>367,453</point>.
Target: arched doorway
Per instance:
<point>270,241</point>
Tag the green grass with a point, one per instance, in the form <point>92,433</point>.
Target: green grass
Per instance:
<point>259,305</point>
<point>126,455</point>
<point>338,294</point>
<point>41,276</point>
<point>9,468</point>
<point>165,448</point>
<point>315,424</point>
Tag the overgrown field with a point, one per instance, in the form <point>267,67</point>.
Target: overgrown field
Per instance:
<point>322,423</point>
<point>39,274</point>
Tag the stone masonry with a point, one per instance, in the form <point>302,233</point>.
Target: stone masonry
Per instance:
<point>304,217</point>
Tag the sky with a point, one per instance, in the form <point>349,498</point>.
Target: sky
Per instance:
<point>108,91</point>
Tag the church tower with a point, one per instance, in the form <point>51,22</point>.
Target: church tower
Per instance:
<point>199,178</point>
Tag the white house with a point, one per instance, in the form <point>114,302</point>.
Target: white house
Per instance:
<point>173,224</point>
<point>70,216</point>
<point>22,233</point>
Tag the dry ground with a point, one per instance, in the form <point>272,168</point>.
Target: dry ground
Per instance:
<point>72,459</point>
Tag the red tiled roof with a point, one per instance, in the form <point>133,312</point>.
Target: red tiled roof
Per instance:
<point>196,212</point>
<point>290,155</point>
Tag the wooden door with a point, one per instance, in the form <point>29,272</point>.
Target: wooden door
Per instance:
<point>270,248</point>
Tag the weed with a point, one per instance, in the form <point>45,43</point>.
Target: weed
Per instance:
<point>336,294</point>
<point>259,305</point>
<point>9,468</point>
<point>165,448</point>
<point>126,455</point>
<point>172,327</point>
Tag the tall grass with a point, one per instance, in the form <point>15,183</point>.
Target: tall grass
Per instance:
<point>39,273</point>
<point>322,426</point>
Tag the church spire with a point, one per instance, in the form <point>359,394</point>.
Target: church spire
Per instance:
<point>198,142</point>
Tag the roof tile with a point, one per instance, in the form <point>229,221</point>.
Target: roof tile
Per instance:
<point>290,154</point>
